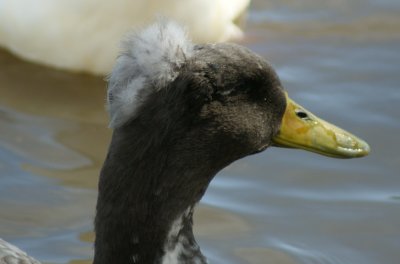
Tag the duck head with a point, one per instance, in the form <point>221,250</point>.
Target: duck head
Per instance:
<point>223,91</point>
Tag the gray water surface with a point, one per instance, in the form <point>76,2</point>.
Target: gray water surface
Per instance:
<point>341,60</point>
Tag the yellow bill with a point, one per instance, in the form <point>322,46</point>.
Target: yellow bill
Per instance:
<point>301,129</point>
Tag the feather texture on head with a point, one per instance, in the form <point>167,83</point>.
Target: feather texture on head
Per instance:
<point>148,61</point>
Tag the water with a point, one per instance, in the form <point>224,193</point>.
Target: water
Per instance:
<point>340,60</point>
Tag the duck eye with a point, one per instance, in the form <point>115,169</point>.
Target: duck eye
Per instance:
<point>300,113</point>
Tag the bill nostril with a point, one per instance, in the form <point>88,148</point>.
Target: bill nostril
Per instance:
<point>301,114</point>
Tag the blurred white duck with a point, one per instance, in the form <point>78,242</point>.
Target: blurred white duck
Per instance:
<point>82,35</point>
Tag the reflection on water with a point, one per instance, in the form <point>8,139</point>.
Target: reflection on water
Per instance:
<point>339,59</point>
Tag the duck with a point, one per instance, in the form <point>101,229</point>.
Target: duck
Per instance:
<point>82,35</point>
<point>181,112</point>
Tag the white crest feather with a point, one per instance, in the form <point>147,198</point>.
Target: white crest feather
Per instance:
<point>149,60</point>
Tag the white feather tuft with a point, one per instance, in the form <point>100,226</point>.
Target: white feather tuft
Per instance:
<point>149,60</point>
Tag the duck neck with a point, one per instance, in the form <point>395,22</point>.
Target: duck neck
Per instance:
<point>147,192</point>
